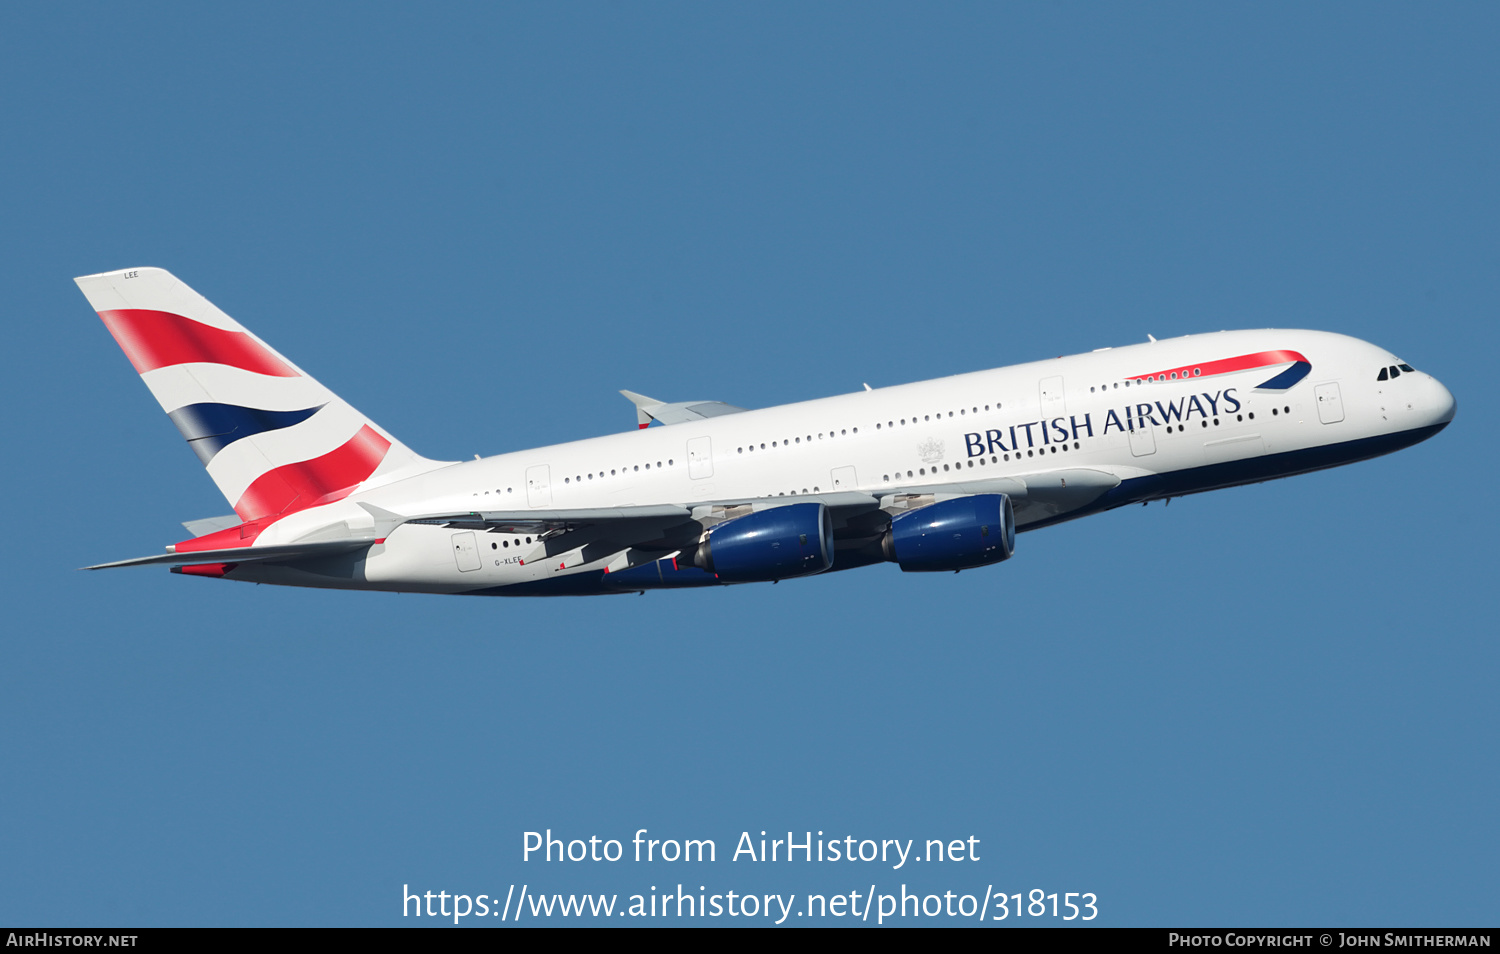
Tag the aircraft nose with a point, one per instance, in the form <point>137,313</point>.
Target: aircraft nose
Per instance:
<point>1440,403</point>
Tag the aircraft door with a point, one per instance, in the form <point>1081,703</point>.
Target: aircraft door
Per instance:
<point>1051,394</point>
<point>1330,403</point>
<point>1142,438</point>
<point>466,551</point>
<point>844,479</point>
<point>700,454</point>
<point>539,486</point>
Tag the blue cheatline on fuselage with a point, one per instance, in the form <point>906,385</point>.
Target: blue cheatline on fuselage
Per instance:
<point>1251,470</point>
<point>1287,378</point>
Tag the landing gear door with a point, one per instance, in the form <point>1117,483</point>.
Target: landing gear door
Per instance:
<point>1330,403</point>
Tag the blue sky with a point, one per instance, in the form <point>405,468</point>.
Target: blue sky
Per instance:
<point>1265,706</point>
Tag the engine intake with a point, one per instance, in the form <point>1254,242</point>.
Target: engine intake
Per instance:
<point>955,534</point>
<point>774,544</point>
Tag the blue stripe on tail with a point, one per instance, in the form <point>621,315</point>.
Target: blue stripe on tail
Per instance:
<point>209,428</point>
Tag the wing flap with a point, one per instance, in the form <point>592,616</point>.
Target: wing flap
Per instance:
<point>543,521</point>
<point>1037,496</point>
<point>1072,483</point>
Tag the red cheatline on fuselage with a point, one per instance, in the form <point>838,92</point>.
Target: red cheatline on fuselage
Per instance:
<point>1244,362</point>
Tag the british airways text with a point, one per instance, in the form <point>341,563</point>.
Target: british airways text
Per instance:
<point>1128,418</point>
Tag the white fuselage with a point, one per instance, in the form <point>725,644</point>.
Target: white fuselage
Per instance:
<point>1181,434</point>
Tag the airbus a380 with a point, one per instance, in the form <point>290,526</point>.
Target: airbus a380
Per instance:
<point>933,476</point>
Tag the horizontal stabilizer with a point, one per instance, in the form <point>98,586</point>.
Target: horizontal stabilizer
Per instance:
<point>277,554</point>
<point>202,528</point>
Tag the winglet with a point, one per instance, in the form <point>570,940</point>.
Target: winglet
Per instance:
<point>643,407</point>
<point>650,411</point>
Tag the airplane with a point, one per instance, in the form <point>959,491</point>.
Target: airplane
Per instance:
<point>932,476</point>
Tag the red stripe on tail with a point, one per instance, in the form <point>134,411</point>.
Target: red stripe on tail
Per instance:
<point>159,339</point>
<point>320,480</point>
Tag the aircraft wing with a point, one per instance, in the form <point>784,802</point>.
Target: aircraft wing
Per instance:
<point>1037,496</point>
<point>635,535</point>
<point>649,410</point>
<point>671,526</point>
<point>1062,485</point>
<point>1056,492</point>
<point>650,530</point>
<point>578,536</point>
<point>541,522</point>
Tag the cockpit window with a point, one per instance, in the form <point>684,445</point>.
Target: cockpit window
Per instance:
<point>1406,367</point>
<point>1385,373</point>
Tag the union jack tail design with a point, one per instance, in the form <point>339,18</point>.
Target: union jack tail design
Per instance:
<point>273,439</point>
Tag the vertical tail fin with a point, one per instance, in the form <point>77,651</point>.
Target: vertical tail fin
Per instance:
<point>273,439</point>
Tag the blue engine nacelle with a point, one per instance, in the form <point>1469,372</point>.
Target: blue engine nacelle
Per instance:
<point>953,535</point>
<point>770,544</point>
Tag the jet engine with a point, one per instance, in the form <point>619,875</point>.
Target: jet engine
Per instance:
<point>956,534</point>
<point>774,544</point>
